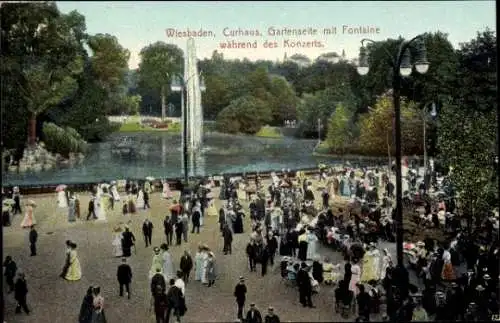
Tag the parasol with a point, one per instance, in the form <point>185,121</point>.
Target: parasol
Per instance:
<point>61,187</point>
<point>8,202</point>
<point>31,202</point>
<point>150,178</point>
<point>105,185</point>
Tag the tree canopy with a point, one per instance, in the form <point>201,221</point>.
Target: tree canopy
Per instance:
<point>50,76</point>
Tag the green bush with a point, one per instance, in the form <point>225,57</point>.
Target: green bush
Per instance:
<point>63,141</point>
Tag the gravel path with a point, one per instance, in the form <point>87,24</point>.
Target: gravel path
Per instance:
<point>55,300</point>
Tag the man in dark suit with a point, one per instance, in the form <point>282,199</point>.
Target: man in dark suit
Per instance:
<point>33,239</point>
<point>169,230</point>
<point>124,275</point>
<point>91,209</point>
<point>147,230</point>
<point>305,287</point>
<point>253,315</point>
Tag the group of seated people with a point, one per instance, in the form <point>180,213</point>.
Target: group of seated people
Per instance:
<point>319,273</point>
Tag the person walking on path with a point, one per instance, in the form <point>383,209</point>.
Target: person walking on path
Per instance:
<point>186,265</point>
<point>10,272</point>
<point>169,230</point>
<point>124,275</point>
<point>20,293</point>
<point>147,230</point>
<point>240,292</point>
<point>33,240</point>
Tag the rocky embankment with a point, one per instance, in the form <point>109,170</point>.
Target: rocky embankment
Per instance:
<point>38,158</point>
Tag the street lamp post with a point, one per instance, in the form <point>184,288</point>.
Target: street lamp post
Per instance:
<point>401,67</point>
<point>179,85</point>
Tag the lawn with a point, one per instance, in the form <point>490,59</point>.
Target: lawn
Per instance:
<point>137,127</point>
<point>269,132</point>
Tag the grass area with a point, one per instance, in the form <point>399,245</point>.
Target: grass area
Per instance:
<point>137,127</point>
<point>269,132</point>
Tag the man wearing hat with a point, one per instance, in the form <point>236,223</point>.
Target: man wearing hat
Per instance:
<point>271,317</point>
<point>240,292</point>
<point>253,315</point>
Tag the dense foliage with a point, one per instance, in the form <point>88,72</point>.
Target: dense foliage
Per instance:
<point>467,130</point>
<point>54,71</point>
<point>64,141</point>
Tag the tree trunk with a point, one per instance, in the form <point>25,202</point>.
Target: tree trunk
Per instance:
<point>32,130</point>
<point>163,105</point>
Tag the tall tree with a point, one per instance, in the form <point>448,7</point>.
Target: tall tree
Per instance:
<point>339,129</point>
<point>159,63</point>
<point>376,127</point>
<point>109,61</point>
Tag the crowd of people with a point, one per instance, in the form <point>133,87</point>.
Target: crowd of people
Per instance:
<point>290,219</point>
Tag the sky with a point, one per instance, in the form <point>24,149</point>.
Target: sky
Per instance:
<point>313,27</point>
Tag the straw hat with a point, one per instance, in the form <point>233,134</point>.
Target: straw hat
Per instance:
<point>480,288</point>
<point>117,229</point>
<point>420,244</point>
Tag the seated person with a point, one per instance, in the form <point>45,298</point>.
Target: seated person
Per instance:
<point>331,272</point>
<point>317,270</point>
<point>292,271</point>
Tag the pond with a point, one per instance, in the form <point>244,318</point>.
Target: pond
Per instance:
<point>159,155</point>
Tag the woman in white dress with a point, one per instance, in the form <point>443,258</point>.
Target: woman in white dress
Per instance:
<point>312,241</point>
<point>114,193</point>
<point>102,208</point>
<point>140,200</point>
<point>198,264</point>
<point>117,242</point>
<point>157,263</point>
<point>62,200</point>
<point>168,265</point>
<point>204,258</point>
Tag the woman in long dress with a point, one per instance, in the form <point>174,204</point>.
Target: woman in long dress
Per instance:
<point>114,193</point>
<point>101,208</point>
<point>157,263</point>
<point>448,273</point>
<point>77,206</point>
<point>131,204</point>
<point>210,269</point>
<point>62,200</point>
<point>355,278</point>
<point>198,264</point>
<point>211,211</point>
<point>117,242</point>
<point>29,217</point>
<point>166,194</point>
<point>71,210</point>
<point>98,314</point>
<point>312,241</point>
<point>168,264</point>
<point>204,278</point>
<point>74,272</point>
<point>386,263</point>
<point>140,200</point>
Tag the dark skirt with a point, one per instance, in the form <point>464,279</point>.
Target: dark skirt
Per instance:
<point>302,251</point>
